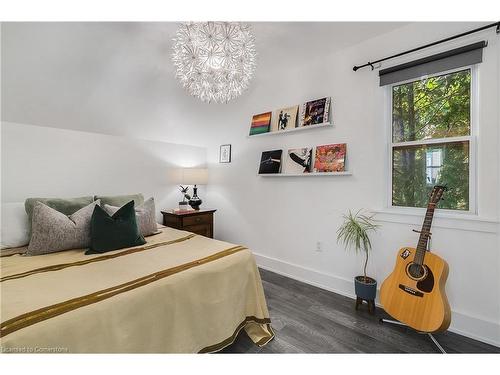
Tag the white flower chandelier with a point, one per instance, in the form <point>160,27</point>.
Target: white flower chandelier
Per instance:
<point>214,61</point>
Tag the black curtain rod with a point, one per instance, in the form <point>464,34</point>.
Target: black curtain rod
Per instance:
<point>370,63</point>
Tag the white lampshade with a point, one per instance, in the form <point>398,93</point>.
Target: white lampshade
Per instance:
<point>192,176</point>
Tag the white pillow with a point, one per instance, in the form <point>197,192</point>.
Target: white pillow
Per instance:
<point>15,231</point>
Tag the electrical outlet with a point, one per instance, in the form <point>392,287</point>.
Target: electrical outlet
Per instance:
<point>319,246</point>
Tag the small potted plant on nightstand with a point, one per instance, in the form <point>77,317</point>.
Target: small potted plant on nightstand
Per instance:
<point>353,233</point>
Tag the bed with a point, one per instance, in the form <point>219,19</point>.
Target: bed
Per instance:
<point>178,293</point>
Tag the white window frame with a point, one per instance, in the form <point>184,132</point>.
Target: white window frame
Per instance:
<point>472,138</point>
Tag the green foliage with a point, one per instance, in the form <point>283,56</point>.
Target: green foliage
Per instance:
<point>354,233</point>
<point>455,174</point>
<point>410,186</point>
<point>437,107</point>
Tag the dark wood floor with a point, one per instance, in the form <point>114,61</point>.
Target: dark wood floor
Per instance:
<point>307,319</point>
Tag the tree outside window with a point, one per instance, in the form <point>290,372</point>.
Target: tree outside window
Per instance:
<point>431,131</point>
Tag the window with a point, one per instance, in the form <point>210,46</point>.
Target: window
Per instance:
<point>430,142</point>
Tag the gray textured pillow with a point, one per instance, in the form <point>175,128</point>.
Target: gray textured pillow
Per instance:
<point>52,231</point>
<point>67,206</point>
<point>145,215</point>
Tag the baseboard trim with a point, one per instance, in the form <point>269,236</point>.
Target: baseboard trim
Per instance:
<point>462,324</point>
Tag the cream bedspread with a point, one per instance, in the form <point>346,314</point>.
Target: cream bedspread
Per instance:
<point>179,293</point>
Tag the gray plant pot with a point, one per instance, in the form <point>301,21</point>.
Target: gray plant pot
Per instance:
<point>365,290</point>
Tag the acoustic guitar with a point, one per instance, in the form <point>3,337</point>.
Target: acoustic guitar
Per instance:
<point>414,292</point>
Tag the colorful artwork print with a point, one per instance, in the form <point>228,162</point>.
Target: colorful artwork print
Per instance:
<point>330,158</point>
<point>315,112</point>
<point>285,118</point>
<point>270,162</point>
<point>298,160</point>
<point>260,123</point>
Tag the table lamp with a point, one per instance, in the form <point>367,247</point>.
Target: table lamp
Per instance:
<point>193,176</point>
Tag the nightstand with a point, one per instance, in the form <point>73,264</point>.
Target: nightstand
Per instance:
<point>196,221</point>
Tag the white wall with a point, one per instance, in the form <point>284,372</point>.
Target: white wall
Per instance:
<point>47,162</point>
<point>57,75</point>
<point>281,219</point>
<point>118,77</point>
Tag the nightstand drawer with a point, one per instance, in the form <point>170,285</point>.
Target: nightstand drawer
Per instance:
<point>196,220</point>
<point>202,229</point>
<point>199,222</point>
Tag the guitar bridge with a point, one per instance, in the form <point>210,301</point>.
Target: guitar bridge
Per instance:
<point>411,291</point>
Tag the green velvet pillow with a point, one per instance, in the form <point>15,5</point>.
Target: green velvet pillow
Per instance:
<point>120,200</point>
<point>67,206</point>
<point>114,232</point>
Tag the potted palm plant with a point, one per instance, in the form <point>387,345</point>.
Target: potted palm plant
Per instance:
<point>354,234</point>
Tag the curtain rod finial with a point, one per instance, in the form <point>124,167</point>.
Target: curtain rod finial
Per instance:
<point>355,68</point>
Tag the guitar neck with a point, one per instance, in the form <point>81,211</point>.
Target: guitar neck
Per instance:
<point>424,234</point>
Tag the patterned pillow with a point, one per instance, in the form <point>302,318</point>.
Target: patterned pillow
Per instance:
<point>52,231</point>
<point>67,206</point>
<point>145,215</point>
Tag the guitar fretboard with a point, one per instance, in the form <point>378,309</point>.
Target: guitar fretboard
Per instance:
<point>424,234</point>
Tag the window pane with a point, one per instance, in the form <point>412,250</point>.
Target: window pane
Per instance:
<point>436,107</point>
<point>416,169</point>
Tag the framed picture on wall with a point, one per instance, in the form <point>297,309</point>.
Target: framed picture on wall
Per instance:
<point>225,154</point>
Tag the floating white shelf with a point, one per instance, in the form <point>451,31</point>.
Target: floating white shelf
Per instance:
<point>302,128</point>
<point>314,174</point>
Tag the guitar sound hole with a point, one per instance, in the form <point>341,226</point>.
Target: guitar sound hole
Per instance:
<point>416,271</point>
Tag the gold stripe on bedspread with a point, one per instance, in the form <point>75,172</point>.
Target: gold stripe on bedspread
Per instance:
<point>19,252</point>
<point>57,267</point>
<point>48,312</point>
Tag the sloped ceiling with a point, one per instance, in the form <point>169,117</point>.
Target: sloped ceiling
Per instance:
<point>117,78</point>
